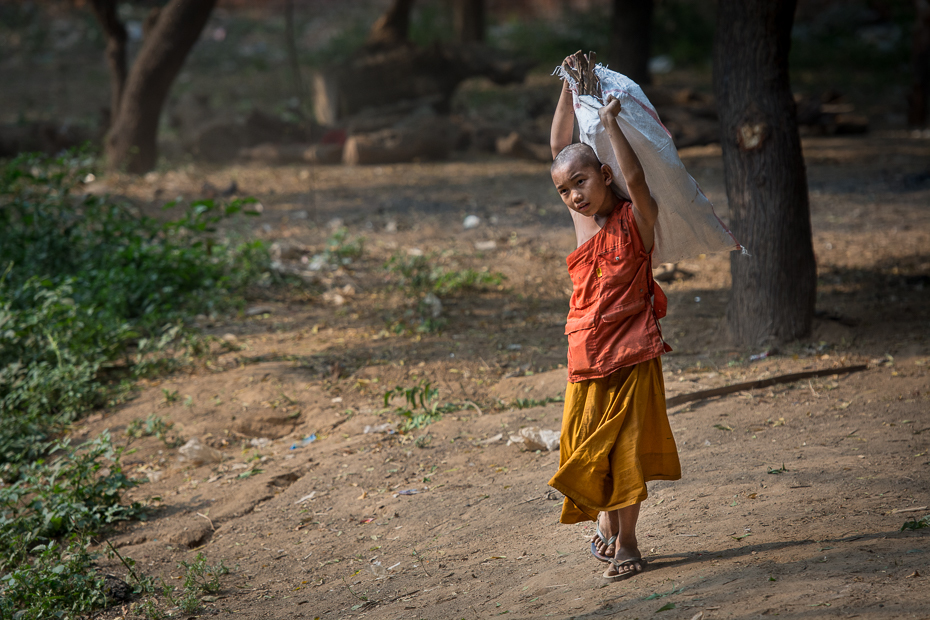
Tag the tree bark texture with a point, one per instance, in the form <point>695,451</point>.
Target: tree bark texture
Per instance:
<point>630,39</point>
<point>290,43</point>
<point>918,99</point>
<point>468,20</point>
<point>115,32</point>
<point>391,28</point>
<point>131,143</point>
<point>774,289</point>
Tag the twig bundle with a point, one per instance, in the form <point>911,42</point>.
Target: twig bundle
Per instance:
<point>581,69</point>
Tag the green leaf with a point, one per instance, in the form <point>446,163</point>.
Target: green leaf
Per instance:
<point>666,607</point>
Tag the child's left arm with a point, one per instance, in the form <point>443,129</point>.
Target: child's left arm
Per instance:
<point>645,209</point>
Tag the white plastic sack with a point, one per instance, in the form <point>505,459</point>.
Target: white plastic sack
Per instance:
<point>687,225</point>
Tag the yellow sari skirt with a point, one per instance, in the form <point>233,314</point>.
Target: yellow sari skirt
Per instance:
<point>615,438</point>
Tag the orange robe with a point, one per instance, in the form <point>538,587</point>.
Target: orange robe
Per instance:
<point>615,431</point>
<point>615,438</point>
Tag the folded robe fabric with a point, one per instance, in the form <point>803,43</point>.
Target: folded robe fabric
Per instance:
<point>615,438</point>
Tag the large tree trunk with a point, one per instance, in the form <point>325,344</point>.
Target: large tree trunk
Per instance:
<point>919,97</point>
<point>391,28</point>
<point>131,142</point>
<point>468,20</point>
<point>115,32</point>
<point>774,289</point>
<point>630,40</point>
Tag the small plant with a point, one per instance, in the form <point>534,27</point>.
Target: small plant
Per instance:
<point>422,279</point>
<point>340,249</point>
<point>527,403</point>
<point>916,524</point>
<point>200,577</point>
<point>779,471</point>
<point>421,405</point>
<point>418,275</point>
<point>154,426</point>
<point>171,396</point>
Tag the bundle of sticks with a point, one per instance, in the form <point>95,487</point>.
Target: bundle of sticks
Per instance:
<point>581,68</point>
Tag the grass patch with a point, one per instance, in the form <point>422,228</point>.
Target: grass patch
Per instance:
<point>424,281</point>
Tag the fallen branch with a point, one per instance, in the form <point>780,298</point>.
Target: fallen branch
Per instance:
<point>900,510</point>
<point>761,383</point>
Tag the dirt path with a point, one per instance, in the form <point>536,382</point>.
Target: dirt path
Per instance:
<point>792,497</point>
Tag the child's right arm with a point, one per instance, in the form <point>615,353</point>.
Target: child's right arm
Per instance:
<point>563,122</point>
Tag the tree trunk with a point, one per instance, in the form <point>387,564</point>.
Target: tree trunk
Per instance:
<point>115,32</point>
<point>919,97</point>
<point>292,58</point>
<point>468,20</point>
<point>630,39</point>
<point>131,142</point>
<point>774,289</point>
<point>391,28</point>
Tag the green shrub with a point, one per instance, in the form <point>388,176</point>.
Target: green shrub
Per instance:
<point>88,284</point>
<point>78,491</point>
<point>59,583</point>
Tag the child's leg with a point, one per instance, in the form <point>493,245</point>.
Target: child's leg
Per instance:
<point>609,525</point>
<point>627,546</point>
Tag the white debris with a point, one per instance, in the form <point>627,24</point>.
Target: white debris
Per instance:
<point>198,454</point>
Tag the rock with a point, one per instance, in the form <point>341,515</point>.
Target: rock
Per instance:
<point>334,297</point>
<point>265,426</point>
<point>219,141</point>
<point>198,453</point>
<point>115,589</point>
<point>40,136</point>
<point>471,221</point>
<point>431,138</point>
<point>274,153</point>
<point>387,427</point>
<point>432,302</point>
<point>258,310</point>
<point>540,439</point>
<point>539,386</point>
<point>324,153</point>
<point>406,72</point>
<point>484,246</point>
<point>192,535</point>
<point>514,145</point>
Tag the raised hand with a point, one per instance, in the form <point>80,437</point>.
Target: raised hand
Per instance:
<point>610,110</point>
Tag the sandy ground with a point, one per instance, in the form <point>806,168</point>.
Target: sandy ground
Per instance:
<point>792,498</point>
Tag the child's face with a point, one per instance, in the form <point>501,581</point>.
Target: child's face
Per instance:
<point>585,189</point>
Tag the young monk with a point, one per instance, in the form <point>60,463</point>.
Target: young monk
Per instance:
<point>615,431</point>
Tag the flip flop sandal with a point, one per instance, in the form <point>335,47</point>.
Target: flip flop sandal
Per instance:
<point>620,576</point>
<point>607,542</point>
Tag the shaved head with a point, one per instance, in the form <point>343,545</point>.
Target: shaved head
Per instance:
<point>576,155</point>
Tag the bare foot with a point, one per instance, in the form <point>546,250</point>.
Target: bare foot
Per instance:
<point>605,546</point>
